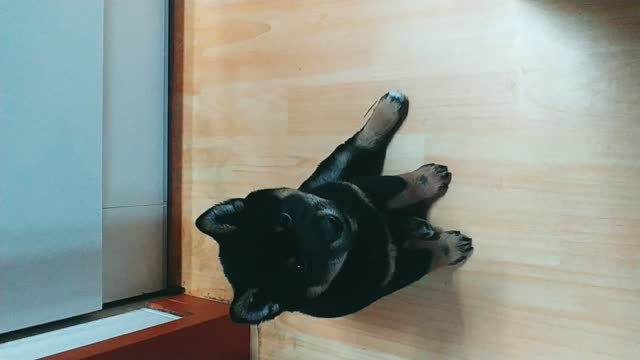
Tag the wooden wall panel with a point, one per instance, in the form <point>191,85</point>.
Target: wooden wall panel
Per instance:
<point>534,105</point>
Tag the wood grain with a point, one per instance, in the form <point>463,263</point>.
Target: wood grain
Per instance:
<point>533,105</point>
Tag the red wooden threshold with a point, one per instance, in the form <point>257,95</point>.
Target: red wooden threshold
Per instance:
<point>204,332</point>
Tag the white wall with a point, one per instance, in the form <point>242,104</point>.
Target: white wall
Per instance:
<point>61,96</point>
<point>135,119</point>
<point>50,160</point>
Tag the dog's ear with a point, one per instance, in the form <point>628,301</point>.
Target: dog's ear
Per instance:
<point>222,220</point>
<point>253,307</point>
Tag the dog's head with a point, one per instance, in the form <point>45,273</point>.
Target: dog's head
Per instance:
<point>278,248</point>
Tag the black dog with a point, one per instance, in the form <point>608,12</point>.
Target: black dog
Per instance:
<point>347,237</point>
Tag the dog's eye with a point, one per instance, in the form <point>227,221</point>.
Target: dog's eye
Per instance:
<point>284,222</point>
<point>285,219</point>
<point>295,265</point>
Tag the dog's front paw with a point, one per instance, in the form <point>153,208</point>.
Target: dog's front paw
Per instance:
<point>456,247</point>
<point>433,180</point>
<point>386,117</point>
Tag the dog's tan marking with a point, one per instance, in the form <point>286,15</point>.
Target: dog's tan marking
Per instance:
<point>451,248</point>
<point>393,254</point>
<point>392,250</point>
<point>334,267</point>
<point>428,182</point>
<point>359,192</point>
<point>383,119</point>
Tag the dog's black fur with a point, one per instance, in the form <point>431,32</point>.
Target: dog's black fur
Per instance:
<point>347,237</point>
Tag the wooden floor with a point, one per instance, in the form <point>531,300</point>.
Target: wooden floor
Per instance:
<point>533,104</point>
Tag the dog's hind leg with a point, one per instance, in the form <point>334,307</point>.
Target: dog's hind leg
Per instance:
<point>447,247</point>
<point>419,257</point>
<point>363,154</point>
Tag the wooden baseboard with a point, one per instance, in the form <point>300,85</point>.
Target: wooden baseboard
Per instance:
<point>205,331</point>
